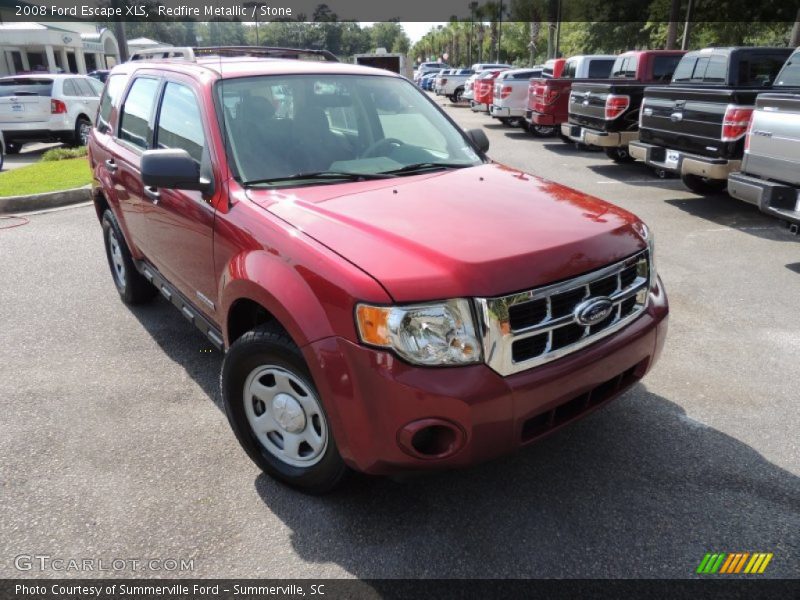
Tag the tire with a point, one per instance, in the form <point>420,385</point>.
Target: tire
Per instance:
<point>505,121</point>
<point>457,96</point>
<point>133,288</point>
<point>83,127</point>
<point>541,130</point>
<point>703,185</point>
<point>266,359</point>
<point>619,155</point>
<point>13,148</point>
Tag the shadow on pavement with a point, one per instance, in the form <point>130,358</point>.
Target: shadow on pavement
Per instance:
<point>794,267</point>
<point>636,490</point>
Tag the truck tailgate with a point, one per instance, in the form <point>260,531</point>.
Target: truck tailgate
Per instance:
<point>774,151</point>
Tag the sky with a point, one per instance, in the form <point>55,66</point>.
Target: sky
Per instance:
<point>413,30</point>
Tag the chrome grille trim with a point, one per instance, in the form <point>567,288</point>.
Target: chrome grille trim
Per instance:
<point>498,334</point>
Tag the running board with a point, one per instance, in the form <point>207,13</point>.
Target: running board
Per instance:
<point>187,309</point>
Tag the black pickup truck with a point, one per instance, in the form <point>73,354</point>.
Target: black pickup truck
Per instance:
<point>695,127</point>
<point>606,113</point>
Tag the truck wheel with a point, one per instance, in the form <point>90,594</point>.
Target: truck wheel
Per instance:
<point>457,96</point>
<point>619,155</point>
<point>82,129</point>
<point>133,288</point>
<point>276,413</point>
<point>541,130</point>
<point>703,185</point>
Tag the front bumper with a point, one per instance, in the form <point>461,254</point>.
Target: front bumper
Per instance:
<point>602,139</point>
<point>777,199</point>
<point>683,163</point>
<point>372,396</point>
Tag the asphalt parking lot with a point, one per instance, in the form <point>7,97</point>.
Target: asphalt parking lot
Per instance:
<point>30,154</point>
<point>113,443</point>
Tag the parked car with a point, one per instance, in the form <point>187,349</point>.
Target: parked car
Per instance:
<point>483,90</point>
<point>426,83</point>
<point>428,67</point>
<point>606,113</point>
<point>695,126</point>
<point>452,84</point>
<point>510,95</point>
<point>770,173</point>
<point>47,108</point>
<point>316,250</point>
<point>100,74</point>
<point>548,97</point>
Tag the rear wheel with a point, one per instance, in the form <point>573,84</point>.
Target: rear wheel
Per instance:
<point>276,413</point>
<point>82,129</point>
<point>619,154</point>
<point>133,288</point>
<point>458,95</point>
<point>703,185</point>
<point>541,130</point>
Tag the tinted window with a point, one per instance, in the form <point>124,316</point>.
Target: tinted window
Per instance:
<point>600,68</point>
<point>111,94</point>
<point>717,69</point>
<point>527,74</point>
<point>69,88</point>
<point>790,75</point>
<point>84,88</point>
<point>96,85</point>
<point>685,68</point>
<point>179,122</point>
<point>625,67</point>
<point>760,71</point>
<point>664,67</point>
<point>135,117</point>
<point>24,86</point>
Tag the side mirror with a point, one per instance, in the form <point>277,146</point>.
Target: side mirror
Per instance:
<point>478,137</point>
<point>172,169</point>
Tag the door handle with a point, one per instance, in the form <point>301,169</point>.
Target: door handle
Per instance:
<point>111,165</point>
<point>152,193</point>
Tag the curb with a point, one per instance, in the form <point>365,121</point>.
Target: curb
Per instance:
<point>11,204</point>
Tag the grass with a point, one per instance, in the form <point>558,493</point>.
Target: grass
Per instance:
<point>64,153</point>
<point>45,177</point>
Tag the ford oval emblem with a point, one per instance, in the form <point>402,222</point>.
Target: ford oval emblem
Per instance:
<point>593,311</point>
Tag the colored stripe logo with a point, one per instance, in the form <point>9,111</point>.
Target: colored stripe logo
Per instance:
<point>729,563</point>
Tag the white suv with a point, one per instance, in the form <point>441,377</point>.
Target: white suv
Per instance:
<point>47,108</point>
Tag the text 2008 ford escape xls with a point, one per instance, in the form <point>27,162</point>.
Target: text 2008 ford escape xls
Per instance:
<point>388,298</point>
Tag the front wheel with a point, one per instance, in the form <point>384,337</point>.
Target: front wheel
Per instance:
<point>703,185</point>
<point>619,155</point>
<point>276,413</point>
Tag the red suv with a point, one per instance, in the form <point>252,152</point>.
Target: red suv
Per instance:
<point>387,298</point>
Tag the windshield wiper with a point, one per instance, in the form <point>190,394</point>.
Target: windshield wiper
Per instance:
<point>425,166</point>
<point>326,175</point>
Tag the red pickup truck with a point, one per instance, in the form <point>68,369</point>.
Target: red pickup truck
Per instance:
<point>548,98</point>
<point>319,222</point>
<point>484,91</point>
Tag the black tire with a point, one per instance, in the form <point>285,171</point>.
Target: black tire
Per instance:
<point>541,130</point>
<point>619,155</point>
<point>80,136</point>
<point>269,346</point>
<point>458,94</point>
<point>703,185</point>
<point>133,288</point>
<point>13,148</point>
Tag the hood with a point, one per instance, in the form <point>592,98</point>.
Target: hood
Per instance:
<point>481,231</point>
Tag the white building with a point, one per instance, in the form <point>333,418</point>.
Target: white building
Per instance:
<point>56,47</point>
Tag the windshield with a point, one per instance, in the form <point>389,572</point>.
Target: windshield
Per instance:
<point>281,127</point>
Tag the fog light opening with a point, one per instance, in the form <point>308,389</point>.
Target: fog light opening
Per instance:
<point>431,438</point>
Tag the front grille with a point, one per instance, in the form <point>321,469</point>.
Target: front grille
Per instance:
<point>530,328</point>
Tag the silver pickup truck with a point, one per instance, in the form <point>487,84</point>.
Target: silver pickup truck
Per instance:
<point>770,175</point>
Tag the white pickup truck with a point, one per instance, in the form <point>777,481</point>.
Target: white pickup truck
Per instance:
<point>451,84</point>
<point>510,96</point>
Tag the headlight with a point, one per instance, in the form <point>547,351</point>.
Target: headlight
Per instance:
<point>436,334</point>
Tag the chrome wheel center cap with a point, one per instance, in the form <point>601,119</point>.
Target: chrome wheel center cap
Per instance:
<point>288,413</point>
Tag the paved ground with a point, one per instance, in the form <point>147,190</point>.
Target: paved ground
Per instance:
<point>113,444</point>
<point>30,154</point>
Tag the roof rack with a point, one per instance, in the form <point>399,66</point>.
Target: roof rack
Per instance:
<point>191,54</point>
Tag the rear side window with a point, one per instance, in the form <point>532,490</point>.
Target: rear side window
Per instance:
<point>625,67</point>
<point>95,85</point>
<point>526,74</point>
<point>84,88</point>
<point>601,68</point>
<point>760,71</point>
<point>25,86</point>
<point>790,74</point>
<point>664,67</point>
<point>179,122</point>
<point>684,70</point>
<point>69,88</point>
<point>111,94</point>
<point>134,121</point>
<point>716,69</point>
